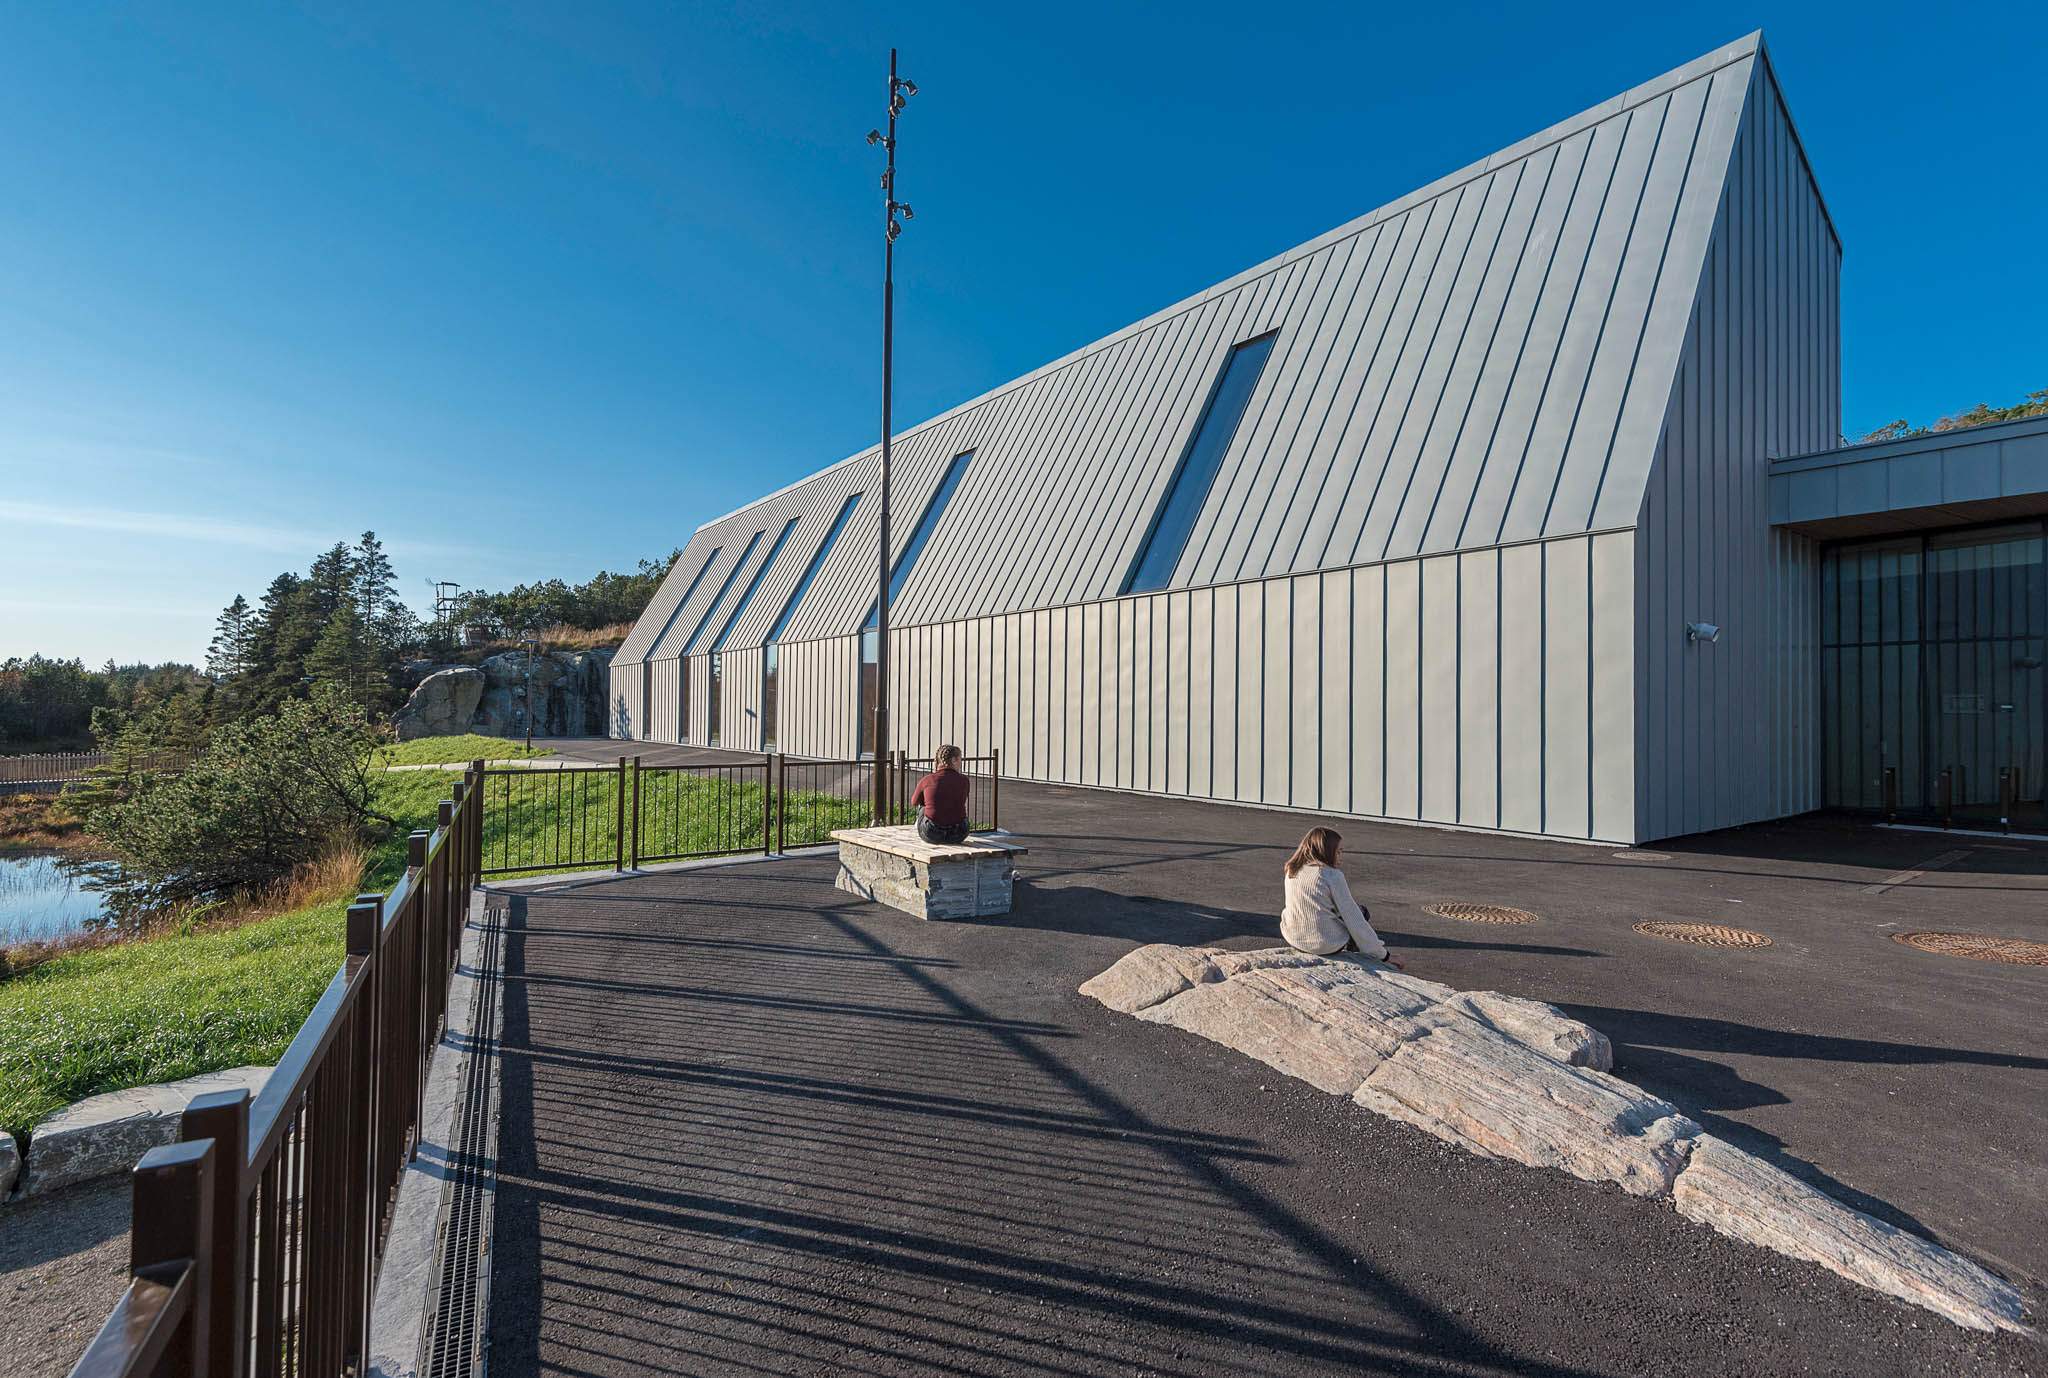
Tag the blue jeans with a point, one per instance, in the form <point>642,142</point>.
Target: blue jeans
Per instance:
<point>942,833</point>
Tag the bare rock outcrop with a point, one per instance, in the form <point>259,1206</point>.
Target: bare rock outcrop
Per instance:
<point>1518,1079</point>
<point>567,692</point>
<point>10,1164</point>
<point>443,705</point>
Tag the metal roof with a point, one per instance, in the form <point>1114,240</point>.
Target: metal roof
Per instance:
<point>1488,359</point>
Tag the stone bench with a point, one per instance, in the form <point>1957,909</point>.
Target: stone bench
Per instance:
<point>896,867</point>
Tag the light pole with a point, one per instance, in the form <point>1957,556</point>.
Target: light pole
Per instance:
<point>532,644</point>
<point>900,90</point>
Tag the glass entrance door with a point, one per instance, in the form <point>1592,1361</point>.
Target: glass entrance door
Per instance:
<point>1931,666</point>
<point>1932,672</point>
<point>1985,616</point>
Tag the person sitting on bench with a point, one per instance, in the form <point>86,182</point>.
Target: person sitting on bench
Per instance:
<point>941,799</point>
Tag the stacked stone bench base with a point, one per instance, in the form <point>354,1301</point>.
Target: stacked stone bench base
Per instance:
<point>896,867</point>
<point>1517,1079</point>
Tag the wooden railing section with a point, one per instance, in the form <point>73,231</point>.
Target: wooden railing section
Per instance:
<point>255,1240</point>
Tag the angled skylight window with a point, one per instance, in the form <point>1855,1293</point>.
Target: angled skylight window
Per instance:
<point>766,562</point>
<point>803,585</point>
<point>684,601</point>
<point>723,589</point>
<point>1196,472</point>
<point>900,571</point>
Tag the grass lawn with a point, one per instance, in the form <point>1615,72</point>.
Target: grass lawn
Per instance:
<point>156,1010</point>
<point>433,751</point>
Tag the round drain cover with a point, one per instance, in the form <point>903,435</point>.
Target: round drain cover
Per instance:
<point>1479,913</point>
<point>1982,947</point>
<point>1705,934</point>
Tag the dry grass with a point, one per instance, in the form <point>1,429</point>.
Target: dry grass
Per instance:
<point>335,875</point>
<point>565,638</point>
<point>41,823</point>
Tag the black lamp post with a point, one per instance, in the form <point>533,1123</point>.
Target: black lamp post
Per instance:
<point>532,644</point>
<point>900,90</point>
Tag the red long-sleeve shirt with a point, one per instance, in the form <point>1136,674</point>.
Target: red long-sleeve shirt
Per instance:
<point>943,793</point>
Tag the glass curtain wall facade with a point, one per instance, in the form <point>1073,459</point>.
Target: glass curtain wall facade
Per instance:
<point>1931,662</point>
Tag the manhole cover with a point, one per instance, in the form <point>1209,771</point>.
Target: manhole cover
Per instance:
<point>1705,934</point>
<point>1479,913</point>
<point>1980,946</point>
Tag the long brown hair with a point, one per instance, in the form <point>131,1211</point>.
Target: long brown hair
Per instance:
<point>1318,848</point>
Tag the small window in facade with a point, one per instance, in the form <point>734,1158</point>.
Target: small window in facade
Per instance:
<point>716,678</point>
<point>900,571</point>
<point>767,561</point>
<point>803,585</point>
<point>869,641</point>
<point>723,589</point>
<point>1196,472</point>
<point>768,659</point>
<point>683,698</point>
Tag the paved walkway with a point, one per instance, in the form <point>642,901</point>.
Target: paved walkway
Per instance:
<point>755,1126</point>
<point>1911,1085</point>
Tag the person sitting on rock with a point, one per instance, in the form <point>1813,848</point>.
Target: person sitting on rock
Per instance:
<point>941,799</point>
<point>1320,916</point>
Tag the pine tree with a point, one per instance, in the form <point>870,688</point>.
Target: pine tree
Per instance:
<point>228,657</point>
<point>340,655</point>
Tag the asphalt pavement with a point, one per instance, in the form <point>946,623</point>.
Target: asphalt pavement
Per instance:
<point>753,1125</point>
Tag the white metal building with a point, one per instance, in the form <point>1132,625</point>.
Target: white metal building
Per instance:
<point>1410,522</point>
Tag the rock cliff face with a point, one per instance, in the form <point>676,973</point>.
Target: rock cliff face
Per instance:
<point>568,697</point>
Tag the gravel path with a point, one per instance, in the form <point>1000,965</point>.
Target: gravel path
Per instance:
<point>754,1126</point>
<point>63,1265</point>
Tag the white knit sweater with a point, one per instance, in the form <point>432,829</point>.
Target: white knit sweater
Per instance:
<point>1321,916</point>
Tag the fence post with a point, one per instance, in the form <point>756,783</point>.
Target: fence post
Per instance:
<point>636,815</point>
<point>995,788</point>
<point>1891,794</point>
<point>781,802</point>
<point>767,804</point>
<point>416,848</point>
<point>476,822</point>
<point>365,924</point>
<point>172,1221</point>
<point>619,829</point>
<point>459,858</point>
<point>1948,796</point>
<point>223,1117</point>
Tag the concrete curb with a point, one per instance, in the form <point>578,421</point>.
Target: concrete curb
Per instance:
<point>408,1278</point>
<point>102,1136</point>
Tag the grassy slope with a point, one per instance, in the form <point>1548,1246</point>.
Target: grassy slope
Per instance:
<point>453,750</point>
<point>173,1007</point>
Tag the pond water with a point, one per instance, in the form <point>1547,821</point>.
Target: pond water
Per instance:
<point>43,896</point>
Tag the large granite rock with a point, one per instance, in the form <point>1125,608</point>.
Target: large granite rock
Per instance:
<point>568,697</point>
<point>1510,1078</point>
<point>443,705</point>
<point>104,1135</point>
<point>1472,1085</point>
<point>10,1164</point>
<point>1746,1198</point>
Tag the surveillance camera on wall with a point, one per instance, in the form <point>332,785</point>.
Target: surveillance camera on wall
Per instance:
<point>1702,631</point>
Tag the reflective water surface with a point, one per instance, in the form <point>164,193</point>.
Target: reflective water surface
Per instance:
<point>43,896</point>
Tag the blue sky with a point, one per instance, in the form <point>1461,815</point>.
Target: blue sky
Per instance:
<point>535,290</point>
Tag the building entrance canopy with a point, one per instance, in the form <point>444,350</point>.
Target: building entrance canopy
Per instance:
<point>1950,478</point>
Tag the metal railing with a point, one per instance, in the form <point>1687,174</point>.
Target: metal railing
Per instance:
<point>622,816</point>
<point>255,1239</point>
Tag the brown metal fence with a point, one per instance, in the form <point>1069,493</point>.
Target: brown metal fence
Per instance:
<point>256,1239</point>
<point>621,816</point>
